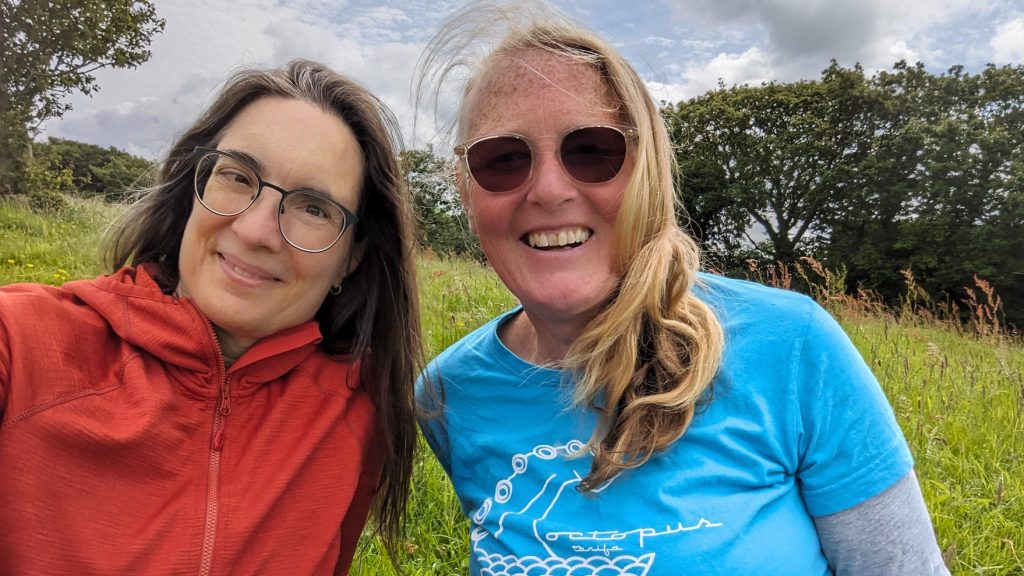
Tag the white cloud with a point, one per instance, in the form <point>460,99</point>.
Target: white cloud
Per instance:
<point>659,41</point>
<point>751,67</point>
<point>1008,42</point>
<point>806,34</point>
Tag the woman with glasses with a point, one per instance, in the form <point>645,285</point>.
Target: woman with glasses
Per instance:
<point>236,397</point>
<point>634,416</point>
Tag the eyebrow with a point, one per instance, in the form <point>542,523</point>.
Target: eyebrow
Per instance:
<point>254,163</point>
<point>249,159</point>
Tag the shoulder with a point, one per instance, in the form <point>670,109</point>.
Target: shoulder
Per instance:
<point>469,352</point>
<point>765,318</point>
<point>742,300</point>
<point>32,307</point>
<point>479,368</point>
<point>52,346</point>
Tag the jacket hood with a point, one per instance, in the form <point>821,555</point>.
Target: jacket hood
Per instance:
<point>175,331</point>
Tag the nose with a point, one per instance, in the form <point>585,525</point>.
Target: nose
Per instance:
<point>257,227</point>
<point>550,186</point>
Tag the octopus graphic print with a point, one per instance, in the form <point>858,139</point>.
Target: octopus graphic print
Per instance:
<point>566,542</point>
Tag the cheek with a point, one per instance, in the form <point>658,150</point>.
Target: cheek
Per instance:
<point>189,249</point>
<point>199,229</point>
<point>490,215</point>
<point>320,271</point>
<point>607,204</point>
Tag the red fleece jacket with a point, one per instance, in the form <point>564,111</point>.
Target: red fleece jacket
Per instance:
<point>125,447</point>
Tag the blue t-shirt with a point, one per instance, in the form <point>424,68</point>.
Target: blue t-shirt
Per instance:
<point>797,427</point>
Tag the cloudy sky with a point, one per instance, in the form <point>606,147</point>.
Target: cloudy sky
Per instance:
<point>681,48</point>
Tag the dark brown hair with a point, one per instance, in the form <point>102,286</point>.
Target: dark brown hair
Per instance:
<point>377,308</point>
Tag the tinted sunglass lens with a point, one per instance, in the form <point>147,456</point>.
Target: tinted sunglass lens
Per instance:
<point>593,154</point>
<point>499,164</point>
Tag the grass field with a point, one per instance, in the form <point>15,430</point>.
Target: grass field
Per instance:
<point>959,399</point>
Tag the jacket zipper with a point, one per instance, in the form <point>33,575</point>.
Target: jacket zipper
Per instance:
<point>223,408</point>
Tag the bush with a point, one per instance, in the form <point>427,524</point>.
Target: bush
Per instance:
<point>46,181</point>
<point>108,173</point>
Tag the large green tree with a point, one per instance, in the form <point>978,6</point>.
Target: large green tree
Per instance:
<point>50,49</point>
<point>770,160</point>
<point>903,170</point>
<point>941,192</point>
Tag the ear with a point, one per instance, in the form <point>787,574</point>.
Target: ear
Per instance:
<point>462,185</point>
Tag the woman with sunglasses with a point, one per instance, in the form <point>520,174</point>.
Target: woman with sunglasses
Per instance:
<point>633,416</point>
<point>213,405</point>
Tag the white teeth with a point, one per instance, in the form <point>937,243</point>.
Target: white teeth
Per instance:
<point>244,273</point>
<point>566,237</point>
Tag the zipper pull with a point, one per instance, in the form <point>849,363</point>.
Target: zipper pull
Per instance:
<point>225,399</point>
<point>224,409</point>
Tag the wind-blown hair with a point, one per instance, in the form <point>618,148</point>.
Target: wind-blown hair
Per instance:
<point>645,363</point>
<point>377,308</point>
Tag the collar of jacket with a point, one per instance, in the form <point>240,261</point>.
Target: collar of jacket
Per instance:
<point>176,332</point>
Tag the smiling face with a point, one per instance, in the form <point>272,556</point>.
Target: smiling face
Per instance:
<point>551,240</point>
<point>239,270</point>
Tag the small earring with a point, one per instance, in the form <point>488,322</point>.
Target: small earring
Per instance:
<point>335,290</point>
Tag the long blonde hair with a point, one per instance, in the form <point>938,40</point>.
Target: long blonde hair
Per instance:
<point>645,363</point>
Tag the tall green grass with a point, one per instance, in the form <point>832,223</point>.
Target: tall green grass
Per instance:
<point>958,397</point>
<point>52,248</point>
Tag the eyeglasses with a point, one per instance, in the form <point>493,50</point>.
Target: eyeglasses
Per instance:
<point>308,220</point>
<point>589,154</point>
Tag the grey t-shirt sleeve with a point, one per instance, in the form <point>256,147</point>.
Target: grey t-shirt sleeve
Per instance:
<point>888,535</point>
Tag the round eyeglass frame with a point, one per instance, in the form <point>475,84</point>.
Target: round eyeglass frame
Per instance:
<point>201,152</point>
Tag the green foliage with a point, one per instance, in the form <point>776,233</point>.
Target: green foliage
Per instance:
<point>456,297</point>
<point>902,170</point>
<point>46,181</point>
<point>942,195</point>
<point>443,228</point>
<point>50,49</point>
<point>774,156</point>
<point>108,173</point>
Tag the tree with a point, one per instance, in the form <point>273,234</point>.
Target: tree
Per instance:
<point>109,173</point>
<point>940,192</point>
<point>442,224</point>
<point>772,158</point>
<point>50,49</point>
<point>903,170</point>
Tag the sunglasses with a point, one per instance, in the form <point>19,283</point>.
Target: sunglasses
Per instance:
<point>589,154</point>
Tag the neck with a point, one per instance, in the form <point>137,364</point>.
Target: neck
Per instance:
<point>231,347</point>
<point>540,341</point>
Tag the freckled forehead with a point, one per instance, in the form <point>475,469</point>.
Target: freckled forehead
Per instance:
<point>537,90</point>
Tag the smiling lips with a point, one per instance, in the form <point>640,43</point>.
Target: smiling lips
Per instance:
<point>568,237</point>
<point>245,272</point>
